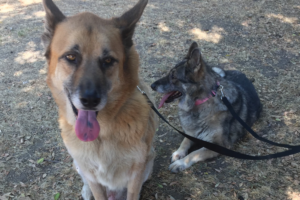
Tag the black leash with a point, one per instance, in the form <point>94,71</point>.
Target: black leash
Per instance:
<point>225,151</point>
<point>230,108</point>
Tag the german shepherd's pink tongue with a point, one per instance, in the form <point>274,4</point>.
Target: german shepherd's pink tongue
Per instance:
<point>165,97</point>
<point>87,127</point>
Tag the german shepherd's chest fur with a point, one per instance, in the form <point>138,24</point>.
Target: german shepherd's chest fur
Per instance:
<point>108,160</point>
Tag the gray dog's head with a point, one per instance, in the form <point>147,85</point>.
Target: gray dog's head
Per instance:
<point>187,81</point>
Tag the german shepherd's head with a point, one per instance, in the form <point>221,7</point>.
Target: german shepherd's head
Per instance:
<point>92,63</point>
<point>189,80</point>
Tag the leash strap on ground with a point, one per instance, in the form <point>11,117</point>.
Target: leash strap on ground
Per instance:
<point>230,108</point>
<point>223,150</point>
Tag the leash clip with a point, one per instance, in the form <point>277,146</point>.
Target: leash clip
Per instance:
<point>140,90</point>
<point>221,89</point>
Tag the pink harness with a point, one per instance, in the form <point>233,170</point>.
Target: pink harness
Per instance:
<point>213,93</point>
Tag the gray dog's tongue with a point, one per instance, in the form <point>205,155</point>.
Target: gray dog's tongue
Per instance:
<point>87,127</point>
<point>165,97</point>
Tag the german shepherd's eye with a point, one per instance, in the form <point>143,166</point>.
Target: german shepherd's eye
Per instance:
<point>107,60</point>
<point>71,57</point>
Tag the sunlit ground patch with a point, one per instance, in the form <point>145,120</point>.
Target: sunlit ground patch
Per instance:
<point>211,36</point>
<point>289,20</point>
<point>27,57</point>
<point>39,14</point>
<point>29,2</point>
<point>5,8</point>
<point>163,27</point>
<point>293,195</point>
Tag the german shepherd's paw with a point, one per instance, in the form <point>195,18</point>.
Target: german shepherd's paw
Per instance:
<point>86,192</point>
<point>178,166</point>
<point>177,155</point>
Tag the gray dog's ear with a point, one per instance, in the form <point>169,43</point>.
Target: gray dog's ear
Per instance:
<point>126,23</point>
<point>193,46</point>
<point>53,17</point>
<point>195,59</point>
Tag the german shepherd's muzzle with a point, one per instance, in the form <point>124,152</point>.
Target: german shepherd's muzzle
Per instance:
<point>87,92</point>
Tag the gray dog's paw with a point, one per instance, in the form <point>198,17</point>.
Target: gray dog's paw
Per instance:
<point>178,166</point>
<point>177,155</point>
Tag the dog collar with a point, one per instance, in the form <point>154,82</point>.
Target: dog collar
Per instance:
<point>212,94</point>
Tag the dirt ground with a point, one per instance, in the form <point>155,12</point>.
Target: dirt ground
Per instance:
<point>259,37</point>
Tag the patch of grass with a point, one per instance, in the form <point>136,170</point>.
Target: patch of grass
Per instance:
<point>21,33</point>
<point>24,32</point>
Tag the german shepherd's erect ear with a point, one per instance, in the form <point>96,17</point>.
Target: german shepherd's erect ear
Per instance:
<point>126,23</point>
<point>53,17</point>
<point>194,57</point>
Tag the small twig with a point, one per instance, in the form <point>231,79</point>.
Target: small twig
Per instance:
<point>52,161</point>
<point>162,135</point>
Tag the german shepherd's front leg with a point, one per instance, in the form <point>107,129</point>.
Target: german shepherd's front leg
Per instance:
<point>98,191</point>
<point>194,157</point>
<point>136,182</point>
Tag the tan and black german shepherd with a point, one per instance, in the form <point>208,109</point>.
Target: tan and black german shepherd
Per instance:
<point>106,123</point>
<point>202,113</point>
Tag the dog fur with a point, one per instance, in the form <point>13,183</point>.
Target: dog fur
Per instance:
<point>93,68</point>
<point>211,121</point>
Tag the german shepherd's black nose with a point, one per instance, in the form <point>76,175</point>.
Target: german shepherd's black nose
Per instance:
<point>90,99</point>
<point>90,102</point>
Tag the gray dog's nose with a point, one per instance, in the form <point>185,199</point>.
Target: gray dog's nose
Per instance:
<point>153,86</point>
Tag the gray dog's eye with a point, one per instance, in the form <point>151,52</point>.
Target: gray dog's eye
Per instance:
<point>173,75</point>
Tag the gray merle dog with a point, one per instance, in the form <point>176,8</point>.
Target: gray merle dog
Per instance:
<point>202,113</point>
